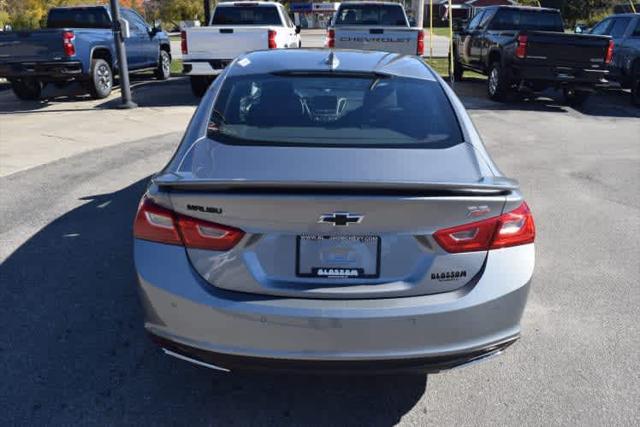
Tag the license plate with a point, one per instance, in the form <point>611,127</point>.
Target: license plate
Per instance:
<point>338,257</point>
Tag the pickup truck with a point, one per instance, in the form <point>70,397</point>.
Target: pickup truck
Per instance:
<point>526,49</point>
<point>78,45</point>
<point>624,29</point>
<point>235,28</point>
<point>374,26</point>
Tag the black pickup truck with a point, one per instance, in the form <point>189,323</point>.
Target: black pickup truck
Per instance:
<point>525,49</point>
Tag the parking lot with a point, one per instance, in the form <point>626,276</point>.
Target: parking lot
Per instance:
<point>73,349</point>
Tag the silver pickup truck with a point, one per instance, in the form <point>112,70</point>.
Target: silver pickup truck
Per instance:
<point>374,26</point>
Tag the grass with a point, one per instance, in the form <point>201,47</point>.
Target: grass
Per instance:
<point>176,67</point>
<point>439,31</point>
<point>441,66</point>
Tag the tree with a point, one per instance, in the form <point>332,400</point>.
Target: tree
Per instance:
<point>25,14</point>
<point>174,11</point>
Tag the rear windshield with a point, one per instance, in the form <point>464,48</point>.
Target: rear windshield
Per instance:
<point>246,15</point>
<point>79,17</point>
<point>517,19</point>
<point>371,14</point>
<point>338,110</point>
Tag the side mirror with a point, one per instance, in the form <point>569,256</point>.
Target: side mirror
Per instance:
<point>412,22</point>
<point>124,28</point>
<point>581,29</point>
<point>298,28</point>
<point>155,29</point>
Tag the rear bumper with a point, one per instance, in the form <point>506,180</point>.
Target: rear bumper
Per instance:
<point>229,362</point>
<point>52,70</point>
<point>432,332</point>
<point>562,76</point>
<point>204,67</point>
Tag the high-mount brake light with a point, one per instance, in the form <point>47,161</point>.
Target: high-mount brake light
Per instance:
<point>331,38</point>
<point>521,49</point>
<point>510,229</point>
<point>158,224</point>
<point>67,42</point>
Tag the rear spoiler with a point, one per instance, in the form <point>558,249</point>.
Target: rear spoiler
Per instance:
<point>486,186</point>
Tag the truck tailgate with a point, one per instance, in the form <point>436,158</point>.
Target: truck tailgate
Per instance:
<point>563,49</point>
<point>31,46</point>
<point>225,42</point>
<point>386,39</point>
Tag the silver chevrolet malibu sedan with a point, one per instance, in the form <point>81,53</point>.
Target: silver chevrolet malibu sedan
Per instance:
<point>332,211</point>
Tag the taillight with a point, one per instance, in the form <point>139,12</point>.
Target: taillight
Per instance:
<point>162,225</point>
<point>420,45</point>
<point>272,39</point>
<point>67,42</point>
<point>199,234</point>
<point>509,229</point>
<point>331,39</point>
<point>514,228</point>
<point>521,49</point>
<point>155,223</point>
<point>609,58</point>
<point>183,42</point>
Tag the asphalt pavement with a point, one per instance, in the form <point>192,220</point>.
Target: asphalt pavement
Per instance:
<point>72,345</point>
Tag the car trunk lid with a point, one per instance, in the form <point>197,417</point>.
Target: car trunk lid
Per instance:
<point>365,230</point>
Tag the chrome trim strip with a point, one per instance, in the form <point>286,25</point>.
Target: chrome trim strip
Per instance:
<point>194,361</point>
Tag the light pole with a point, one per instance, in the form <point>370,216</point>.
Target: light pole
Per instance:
<point>121,51</point>
<point>207,12</point>
<point>419,13</point>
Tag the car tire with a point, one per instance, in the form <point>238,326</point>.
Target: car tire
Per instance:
<point>199,85</point>
<point>101,81</point>
<point>575,98</point>
<point>163,71</point>
<point>458,70</point>
<point>27,89</point>
<point>498,82</point>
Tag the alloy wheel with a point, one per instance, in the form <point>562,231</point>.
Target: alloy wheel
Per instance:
<point>493,81</point>
<point>103,75</point>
